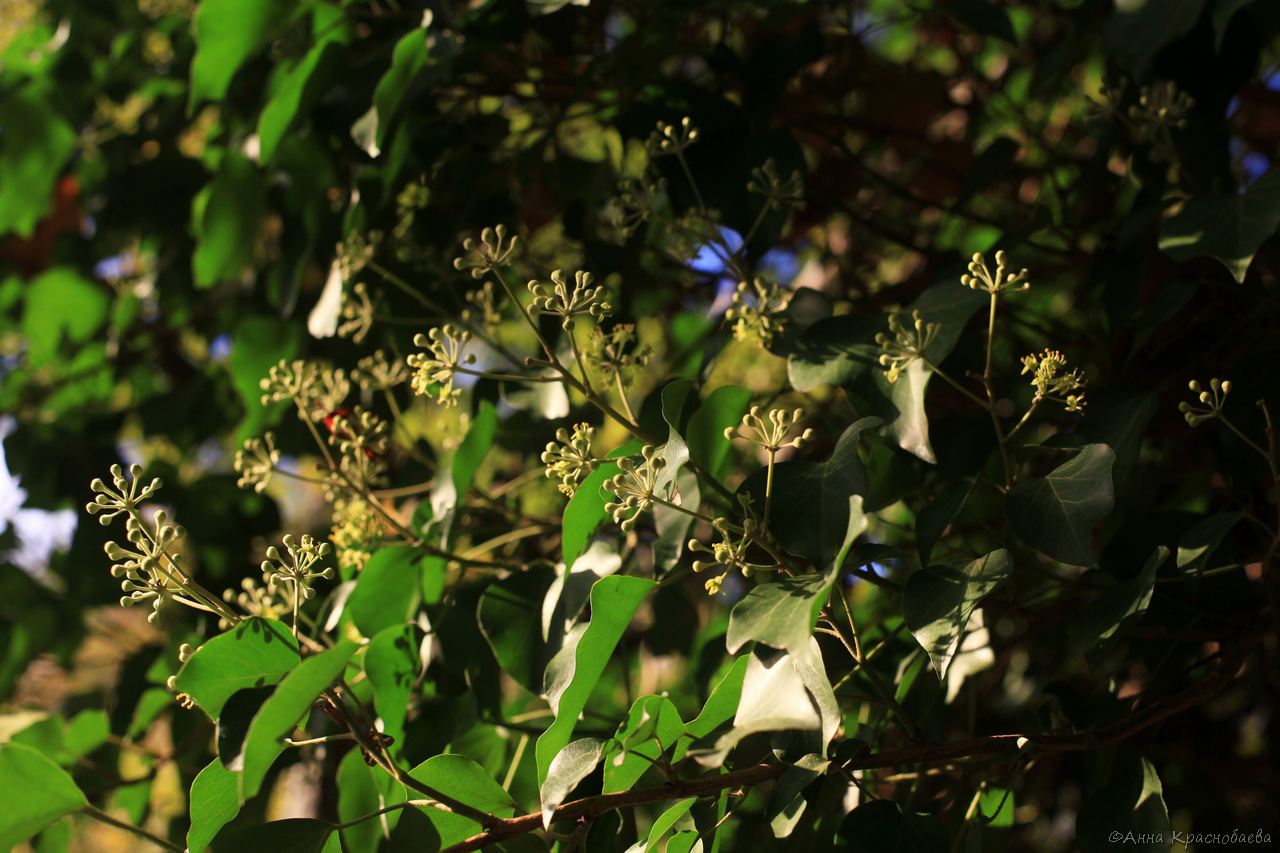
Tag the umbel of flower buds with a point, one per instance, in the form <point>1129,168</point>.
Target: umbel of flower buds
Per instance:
<point>1211,401</point>
<point>566,301</point>
<point>493,251</point>
<point>980,276</point>
<point>770,433</point>
<point>294,569</point>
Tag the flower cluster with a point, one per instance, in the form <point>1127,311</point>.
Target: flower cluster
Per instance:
<point>636,487</point>
<point>569,457</point>
<point>903,344</point>
<point>636,201</point>
<point>561,300</point>
<point>434,370</point>
<point>980,276</point>
<point>147,571</point>
<point>770,433</point>
<point>357,533</point>
<point>492,252</point>
<point>357,313</point>
<point>728,555</point>
<point>315,389</point>
<point>1211,401</point>
<point>295,570</point>
<point>255,599</point>
<point>378,373</point>
<point>485,301</point>
<point>1052,381</point>
<point>757,311</point>
<point>361,438</point>
<point>672,139</point>
<point>779,194</point>
<point>256,461</point>
<point>617,350</point>
<point>124,498</point>
<point>356,251</point>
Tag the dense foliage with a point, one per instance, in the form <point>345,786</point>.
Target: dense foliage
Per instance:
<point>526,425</point>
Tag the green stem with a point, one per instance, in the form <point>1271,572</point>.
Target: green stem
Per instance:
<point>101,816</point>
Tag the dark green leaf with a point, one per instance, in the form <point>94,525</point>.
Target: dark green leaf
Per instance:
<point>215,800</point>
<point>934,519</point>
<point>570,766</point>
<point>574,671</point>
<point>938,601</point>
<point>296,91</point>
<point>1130,805</point>
<point>362,790</point>
<point>511,618</point>
<point>386,592</point>
<point>835,351</point>
<point>1228,227</point>
<point>391,665</point>
<point>297,835</point>
<point>786,802</point>
<point>227,33</point>
<point>290,702</point>
<point>227,222</point>
<point>1197,544</point>
<point>466,781</point>
<point>407,59</point>
<point>722,409</point>
<point>37,792</point>
<point>781,613</point>
<point>1055,514</point>
<point>234,721</point>
<point>984,18</point>
<point>1122,603</point>
<point>35,144</point>
<point>258,344</point>
<point>255,653</point>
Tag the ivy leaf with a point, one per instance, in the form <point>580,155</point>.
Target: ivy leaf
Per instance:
<point>279,714</point>
<point>816,511</point>
<point>934,518</point>
<point>662,825</point>
<point>296,91</point>
<point>1197,544</point>
<point>653,725</point>
<point>510,617</point>
<point>254,653</point>
<point>571,589</point>
<point>1132,802</point>
<point>387,591</point>
<point>1115,606</point>
<point>722,409</point>
<point>258,344</point>
<point>787,802</point>
<point>466,781</point>
<point>835,351</point>
<point>719,709</point>
<point>391,664</point>
<point>1055,514</point>
<point>570,766</point>
<point>574,671</point>
<point>215,800</point>
<point>938,601</point>
<point>407,60</point>
<point>297,835</point>
<point>456,479</point>
<point>37,793</point>
<point>36,144</point>
<point>900,405</point>
<point>1226,226</point>
<point>781,614</point>
<point>1137,32</point>
<point>227,32</point>
<point>46,320</point>
<point>363,790</point>
<point>226,218</point>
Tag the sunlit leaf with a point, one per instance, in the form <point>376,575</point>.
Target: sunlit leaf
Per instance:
<point>938,601</point>
<point>254,653</point>
<point>38,792</point>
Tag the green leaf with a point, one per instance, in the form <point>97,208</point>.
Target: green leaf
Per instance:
<point>584,513</point>
<point>150,704</point>
<point>881,826</point>
<point>455,482</point>
<point>34,146</point>
<point>722,409</point>
<point>938,601</point>
<point>574,671</point>
<point>279,714</point>
<point>255,653</point>
<point>653,725</point>
<point>672,525</point>
<point>934,519</point>
<point>407,60</point>
<point>510,615</point>
<point>1130,806</point>
<point>297,835</point>
<point>362,790</point>
<point>663,825</point>
<point>1124,602</point>
<point>984,18</point>
<point>60,305</point>
<point>816,511</point>
<point>84,733</point>
<point>259,343</point>
<point>227,226</point>
<point>386,592</point>
<point>781,613</point>
<point>787,802</point>
<point>294,94</point>
<point>1225,226</point>
<point>1055,514</point>
<point>1138,29</point>
<point>774,698</point>
<point>215,800</point>
<point>466,781</point>
<point>391,664</point>
<point>835,351</point>
<point>227,33</point>
<point>1197,544</point>
<point>37,792</point>
<point>900,405</point>
<point>570,766</point>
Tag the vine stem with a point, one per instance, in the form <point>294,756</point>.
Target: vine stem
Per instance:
<point>101,816</point>
<point>1001,439</point>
